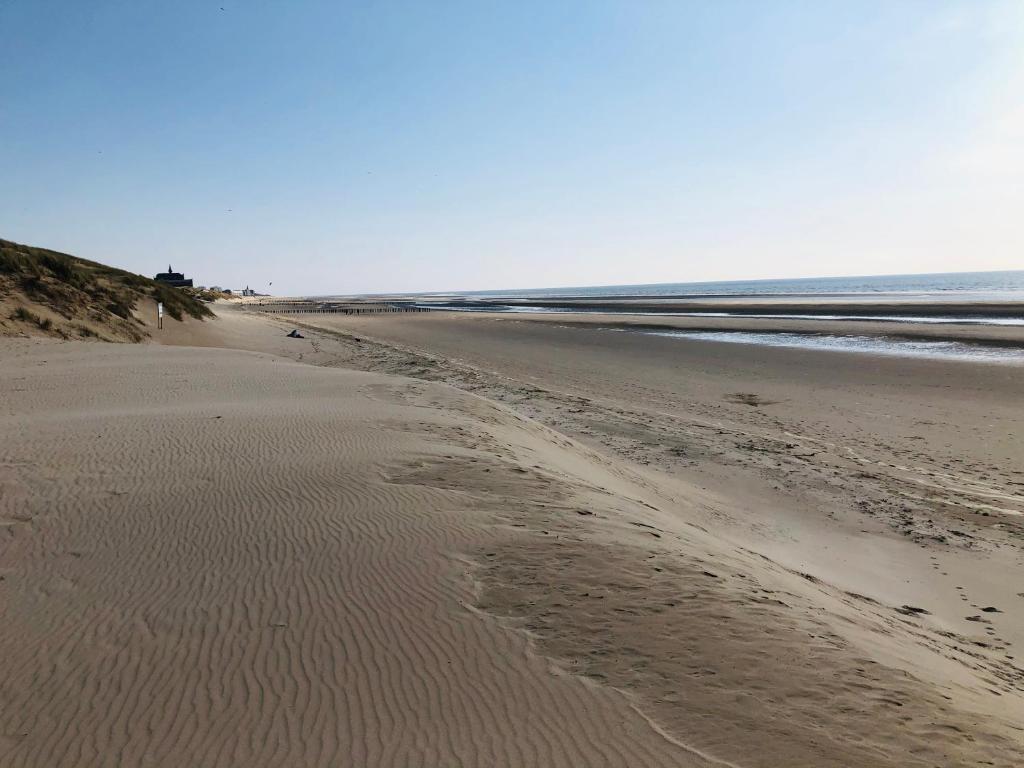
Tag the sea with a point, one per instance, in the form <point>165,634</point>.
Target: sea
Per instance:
<point>946,286</point>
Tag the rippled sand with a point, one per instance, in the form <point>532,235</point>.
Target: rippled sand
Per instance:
<point>215,557</point>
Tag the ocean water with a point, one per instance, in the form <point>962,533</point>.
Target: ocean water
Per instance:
<point>947,286</point>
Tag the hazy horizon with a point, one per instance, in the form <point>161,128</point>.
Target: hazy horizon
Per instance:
<point>339,148</point>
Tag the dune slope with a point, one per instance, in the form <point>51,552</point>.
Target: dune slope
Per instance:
<point>46,293</point>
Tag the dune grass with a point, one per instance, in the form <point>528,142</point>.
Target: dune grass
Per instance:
<point>77,288</point>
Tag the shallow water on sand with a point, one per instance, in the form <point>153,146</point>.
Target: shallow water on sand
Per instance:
<point>873,345</point>
<point>541,309</point>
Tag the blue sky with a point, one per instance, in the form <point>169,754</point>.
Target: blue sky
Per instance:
<point>346,147</point>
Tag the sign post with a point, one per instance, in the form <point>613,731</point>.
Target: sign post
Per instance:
<point>160,315</point>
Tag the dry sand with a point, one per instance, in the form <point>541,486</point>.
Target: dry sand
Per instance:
<point>218,557</point>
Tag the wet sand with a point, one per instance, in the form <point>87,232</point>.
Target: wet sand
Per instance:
<point>628,317</point>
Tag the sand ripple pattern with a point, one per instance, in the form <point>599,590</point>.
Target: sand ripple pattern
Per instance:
<point>205,562</point>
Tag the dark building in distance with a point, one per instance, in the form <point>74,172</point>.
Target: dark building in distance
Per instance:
<point>170,277</point>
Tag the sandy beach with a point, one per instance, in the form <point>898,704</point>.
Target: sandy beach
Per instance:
<point>441,539</point>
<point>512,385</point>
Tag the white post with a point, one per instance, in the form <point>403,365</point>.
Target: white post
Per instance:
<point>160,315</point>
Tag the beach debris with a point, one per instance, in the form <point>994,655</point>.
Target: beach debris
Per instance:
<point>911,610</point>
<point>295,334</point>
<point>749,398</point>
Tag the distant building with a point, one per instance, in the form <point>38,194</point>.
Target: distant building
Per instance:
<point>176,279</point>
<point>247,291</point>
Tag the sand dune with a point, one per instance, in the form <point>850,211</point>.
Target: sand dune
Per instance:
<point>48,293</point>
<point>219,557</point>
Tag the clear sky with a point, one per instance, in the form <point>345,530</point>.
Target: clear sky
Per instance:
<point>333,147</point>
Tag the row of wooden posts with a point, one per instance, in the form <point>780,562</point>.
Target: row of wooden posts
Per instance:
<point>365,310</point>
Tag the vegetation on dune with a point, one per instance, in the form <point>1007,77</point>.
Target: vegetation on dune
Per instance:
<point>77,289</point>
<point>207,295</point>
<point>27,316</point>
